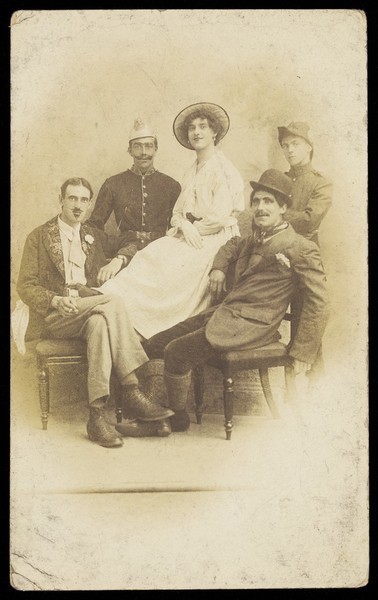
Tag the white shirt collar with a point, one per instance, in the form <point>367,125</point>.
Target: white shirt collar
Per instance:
<point>67,229</point>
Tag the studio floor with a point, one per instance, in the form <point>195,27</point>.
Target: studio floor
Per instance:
<point>273,507</point>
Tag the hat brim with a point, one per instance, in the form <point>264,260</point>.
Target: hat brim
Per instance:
<point>255,185</point>
<point>214,110</point>
<point>285,131</point>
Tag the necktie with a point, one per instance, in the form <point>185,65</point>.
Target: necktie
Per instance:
<point>77,258</point>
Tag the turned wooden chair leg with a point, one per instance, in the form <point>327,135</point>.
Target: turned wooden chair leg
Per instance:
<point>198,389</point>
<point>228,402</point>
<point>265,384</point>
<point>44,400</point>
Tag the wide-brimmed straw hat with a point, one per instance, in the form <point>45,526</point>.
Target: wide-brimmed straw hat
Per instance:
<point>273,181</point>
<point>214,110</point>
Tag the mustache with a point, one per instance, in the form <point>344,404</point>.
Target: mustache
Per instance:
<point>261,213</point>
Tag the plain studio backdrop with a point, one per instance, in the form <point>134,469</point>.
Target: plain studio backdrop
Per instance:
<point>80,78</point>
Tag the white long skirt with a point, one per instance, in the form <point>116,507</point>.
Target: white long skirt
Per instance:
<point>167,281</point>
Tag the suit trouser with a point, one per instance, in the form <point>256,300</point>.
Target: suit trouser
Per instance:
<point>102,322</point>
<point>183,346</point>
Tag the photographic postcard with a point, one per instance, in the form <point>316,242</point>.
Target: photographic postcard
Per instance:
<point>284,503</point>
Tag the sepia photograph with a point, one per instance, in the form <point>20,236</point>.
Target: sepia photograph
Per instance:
<point>189,300</point>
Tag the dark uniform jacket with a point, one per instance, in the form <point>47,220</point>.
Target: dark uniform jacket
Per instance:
<point>42,274</point>
<point>311,200</point>
<point>266,276</point>
<point>142,206</point>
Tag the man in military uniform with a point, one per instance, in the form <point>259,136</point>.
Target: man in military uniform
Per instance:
<point>311,197</point>
<point>312,193</point>
<point>141,198</point>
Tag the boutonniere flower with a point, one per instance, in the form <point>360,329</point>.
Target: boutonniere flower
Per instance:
<point>89,238</point>
<point>283,260</point>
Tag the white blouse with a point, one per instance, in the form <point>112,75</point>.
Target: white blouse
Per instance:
<point>214,194</point>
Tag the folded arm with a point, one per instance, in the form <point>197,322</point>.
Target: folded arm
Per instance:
<point>307,220</point>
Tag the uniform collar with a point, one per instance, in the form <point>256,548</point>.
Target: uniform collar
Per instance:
<point>301,169</point>
<point>135,170</point>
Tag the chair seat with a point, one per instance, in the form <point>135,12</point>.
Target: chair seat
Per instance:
<point>61,347</point>
<point>251,358</point>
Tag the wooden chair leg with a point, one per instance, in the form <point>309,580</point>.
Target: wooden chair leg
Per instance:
<point>198,389</point>
<point>44,400</point>
<point>228,402</point>
<point>265,384</point>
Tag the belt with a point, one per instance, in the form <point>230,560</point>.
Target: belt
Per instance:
<point>142,235</point>
<point>139,235</point>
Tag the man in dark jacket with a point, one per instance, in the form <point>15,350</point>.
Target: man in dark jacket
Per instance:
<point>141,198</point>
<point>60,263</point>
<point>312,192</point>
<point>269,267</point>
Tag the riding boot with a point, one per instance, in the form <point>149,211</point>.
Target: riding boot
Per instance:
<point>177,390</point>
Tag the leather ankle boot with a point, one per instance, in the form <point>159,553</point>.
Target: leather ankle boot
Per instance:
<point>137,406</point>
<point>144,428</point>
<point>100,431</point>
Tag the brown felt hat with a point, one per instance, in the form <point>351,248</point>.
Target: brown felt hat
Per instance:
<point>298,128</point>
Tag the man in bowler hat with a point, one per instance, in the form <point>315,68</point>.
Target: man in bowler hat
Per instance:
<point>267,269</point>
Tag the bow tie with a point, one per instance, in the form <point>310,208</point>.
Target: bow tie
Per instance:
<point>260,235</point>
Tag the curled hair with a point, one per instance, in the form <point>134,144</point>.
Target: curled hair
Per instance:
<point>76,181</point>
<point>204,114</point>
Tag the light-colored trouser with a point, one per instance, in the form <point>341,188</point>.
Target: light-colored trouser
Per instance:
<point>102,322</point>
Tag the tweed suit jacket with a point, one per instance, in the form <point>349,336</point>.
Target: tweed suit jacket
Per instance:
<point>42,274</point>
<point>265,279</point>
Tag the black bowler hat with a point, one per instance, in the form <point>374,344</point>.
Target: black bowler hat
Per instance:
<point>274,181</point>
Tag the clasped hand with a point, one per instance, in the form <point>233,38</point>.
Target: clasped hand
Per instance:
<point>300,367</point>
<point>65,305</point>
<point>191,234</point>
